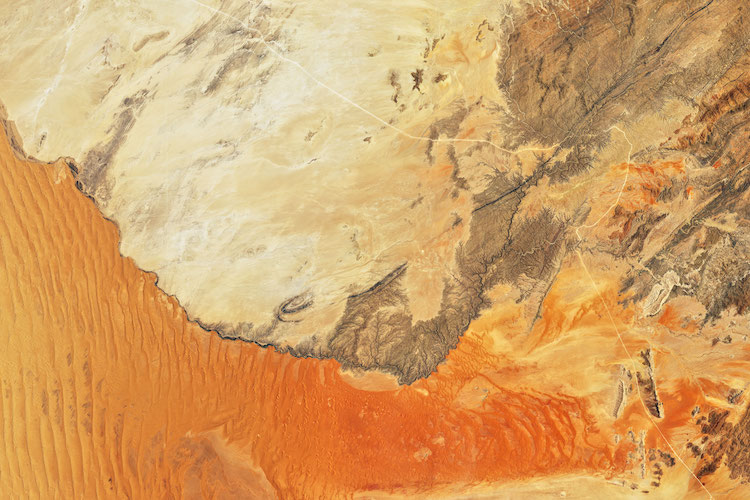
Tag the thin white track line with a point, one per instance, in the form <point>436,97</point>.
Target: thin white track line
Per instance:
<point>614,324</point>
<point>63,63</point>
<point>354,104</point>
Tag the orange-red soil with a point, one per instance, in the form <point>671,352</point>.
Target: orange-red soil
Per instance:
<point>108,390</point>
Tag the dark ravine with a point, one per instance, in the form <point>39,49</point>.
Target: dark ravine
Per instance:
<point>377,333</point>
<point>93,175</point>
